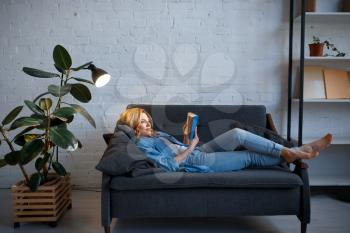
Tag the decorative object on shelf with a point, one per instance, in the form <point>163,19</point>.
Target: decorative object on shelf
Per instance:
<point>316,48</point>
<point>310,6</point>
<point>337,84</point>
<point>314,83</point>
<point>46,128</point>
<point>322,5</point>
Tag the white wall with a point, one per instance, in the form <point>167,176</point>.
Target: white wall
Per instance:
<point>158,51</point>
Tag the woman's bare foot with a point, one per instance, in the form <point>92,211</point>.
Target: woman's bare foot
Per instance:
<point>307,151</point>
<point>290,155</point>
<point>319,144</point>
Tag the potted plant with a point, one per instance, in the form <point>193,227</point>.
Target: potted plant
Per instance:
<point>44,131</point>
<point>316,48</point>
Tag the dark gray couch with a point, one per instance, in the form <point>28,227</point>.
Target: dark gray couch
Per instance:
<point>256,191</point>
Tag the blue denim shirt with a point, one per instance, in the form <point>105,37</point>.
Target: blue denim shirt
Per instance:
<point>156,149</point>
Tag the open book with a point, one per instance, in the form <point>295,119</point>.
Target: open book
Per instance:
<point>191,122</point>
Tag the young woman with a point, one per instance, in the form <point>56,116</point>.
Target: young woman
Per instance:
<point>217,155</point>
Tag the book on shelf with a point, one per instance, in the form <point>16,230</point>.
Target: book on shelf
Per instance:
<point>314,87</point>
<point>324,5</point>
<point>191,123</point>
<point>310,6</point>
<point>337,84</point>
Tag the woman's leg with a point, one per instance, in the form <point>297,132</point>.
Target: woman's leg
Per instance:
<point>234,160</point>
<point>233,138</point>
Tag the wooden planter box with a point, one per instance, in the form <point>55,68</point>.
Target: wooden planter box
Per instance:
<point>47,204</point>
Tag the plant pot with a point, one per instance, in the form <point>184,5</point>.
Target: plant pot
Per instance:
<point>316,50</point>
<point>47,204</point>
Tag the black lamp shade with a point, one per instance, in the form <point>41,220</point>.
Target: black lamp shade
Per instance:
<point>99,76</point>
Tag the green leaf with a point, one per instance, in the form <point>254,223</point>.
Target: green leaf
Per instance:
<point>59,69</point>
<point>31,150</point>
<point>64,113</point>
<point>43,121</point>
<point>80,92</point>
<point>13,158</point>
<point>35,181</point>
<point>23,139</point>
<point>25,122</point>
<point>61,57</point>
<point>84,113</point>
<point>62,137</point>
<point>83,80</point>
<point>70,119</point>
<point>42,94</point>
<point>57,122</point>
<point>20,140</point>
<point>45,103</point>
<point>59,169</point>
<point>2,163</point>
<point>35,108</point>
<point>40,162</point>
<point>39,73</point>
<point>26,130</point>
<point>12,115</point>
<point>59,90</point>
<point>82,66</point>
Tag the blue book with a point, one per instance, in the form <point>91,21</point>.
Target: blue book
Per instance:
<point>192,122</point>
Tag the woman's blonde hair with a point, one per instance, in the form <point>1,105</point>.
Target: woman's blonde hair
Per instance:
<point>131,117</point>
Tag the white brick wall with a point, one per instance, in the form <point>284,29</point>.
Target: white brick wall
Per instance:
<point>157,51</point>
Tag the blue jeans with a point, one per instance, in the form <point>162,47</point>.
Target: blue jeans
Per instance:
<point>219,155</point>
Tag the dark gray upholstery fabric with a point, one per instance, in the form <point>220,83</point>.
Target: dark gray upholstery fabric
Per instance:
<point>205,202</point>
<point>122,157</point>
<point>213,120</point>
<point>275,177</point>
<point>264,132</point>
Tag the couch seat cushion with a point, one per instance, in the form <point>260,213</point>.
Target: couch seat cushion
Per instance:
<point>275,177</point>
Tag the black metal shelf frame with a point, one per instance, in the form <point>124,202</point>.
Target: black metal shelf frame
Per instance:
<point>301,70</point>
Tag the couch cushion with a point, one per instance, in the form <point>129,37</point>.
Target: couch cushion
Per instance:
<point>275,177</point>
<point>213,119</point>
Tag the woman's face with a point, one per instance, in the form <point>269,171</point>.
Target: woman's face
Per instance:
<point>144,128</point>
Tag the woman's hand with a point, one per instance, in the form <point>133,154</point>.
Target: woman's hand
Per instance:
<point>186,139</point>
<point>193,143</point>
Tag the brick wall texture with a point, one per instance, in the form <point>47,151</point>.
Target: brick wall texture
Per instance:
<point>157,51</point>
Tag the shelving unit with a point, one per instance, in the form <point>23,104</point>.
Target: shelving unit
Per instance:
<point>341,140</point>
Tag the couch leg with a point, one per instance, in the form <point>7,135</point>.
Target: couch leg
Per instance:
<point>303,227</point>
<point>107,229</point>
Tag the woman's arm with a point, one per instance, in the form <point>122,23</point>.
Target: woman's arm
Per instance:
<point>186,139</point>
<point>191,146</point>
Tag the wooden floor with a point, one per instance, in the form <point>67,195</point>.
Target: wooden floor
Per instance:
<point>329,215</point>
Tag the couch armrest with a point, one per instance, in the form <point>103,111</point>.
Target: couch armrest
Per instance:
<point>300,164</point>
<point>269,123</point>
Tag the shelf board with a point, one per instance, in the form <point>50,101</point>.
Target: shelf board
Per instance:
<point>323,100</point>
<point>308,60</point>
<point>329,180</point>
<point>325,17</point>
